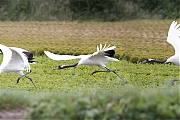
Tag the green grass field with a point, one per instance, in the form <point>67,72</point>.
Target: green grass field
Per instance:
<point>148,85</point>
<point>135,40</point>
<point>80,78</point>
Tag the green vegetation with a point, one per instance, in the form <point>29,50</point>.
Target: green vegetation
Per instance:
<point>135,40</point>
<point>73,93</point>
<point>152,92</point>
<point>94,10</point>
<point>80,79</point>
<point>126,103</point>
<point>14,99</point>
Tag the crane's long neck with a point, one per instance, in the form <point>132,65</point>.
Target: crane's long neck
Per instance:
<point>158,61</point>
<point>65,66</point>
<point>68,66</point>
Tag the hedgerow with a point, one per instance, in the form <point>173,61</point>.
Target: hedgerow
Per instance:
<point>126,103</point>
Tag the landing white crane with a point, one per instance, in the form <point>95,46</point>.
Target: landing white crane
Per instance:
<point>99,58</point>
<point>15,60</point>
<point>174,39</point>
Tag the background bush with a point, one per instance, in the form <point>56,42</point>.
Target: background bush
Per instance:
<point>99,10</point>
<point>127,103</point>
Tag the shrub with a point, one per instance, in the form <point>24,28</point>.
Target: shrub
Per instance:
<point>13,99</point>
<point>98,10</point>
<point>128,103</point>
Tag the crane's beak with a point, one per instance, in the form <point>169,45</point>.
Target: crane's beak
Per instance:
<point>56,68</point>
<point>145,61</point>
<point>59,67</point>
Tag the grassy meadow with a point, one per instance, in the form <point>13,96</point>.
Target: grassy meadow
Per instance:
<point>135,40</point>
<point>151,92</point>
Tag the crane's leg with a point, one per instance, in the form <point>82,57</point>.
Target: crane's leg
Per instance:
<point>31,81</point>
<point>108,70</point>
<point>26,77</point>
<point>22,76</point>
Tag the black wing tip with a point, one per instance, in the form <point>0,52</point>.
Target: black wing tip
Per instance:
<point>110,53</point>
<point>31,61</point>
<point>29,55</point>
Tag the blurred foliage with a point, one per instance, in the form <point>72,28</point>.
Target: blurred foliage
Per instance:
<point>152,92</point>
<point>164,8</point>
<point>126,103</point>
<point>98,10</point>
<point>17,99</point>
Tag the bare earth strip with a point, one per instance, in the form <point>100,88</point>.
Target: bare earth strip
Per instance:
<point>12,114</point>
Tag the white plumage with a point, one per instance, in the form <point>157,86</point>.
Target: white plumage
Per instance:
<point>102,56</point>
<point>98,58</point>
<point>15,61</point>
<point>173,39</point>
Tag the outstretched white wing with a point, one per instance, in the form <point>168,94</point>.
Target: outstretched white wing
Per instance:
<point>19,60</point>
<point>60,57</point>
<point>27,54</point>
<point>19,50</point>
<point>6,55</point>
<point>174,36</point>
<point>101,51</point>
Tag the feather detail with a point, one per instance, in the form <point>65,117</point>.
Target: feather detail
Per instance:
<point>60,57</point>
<point>100,47</point>
<point>97,48</point>
<point>173,36</point>
<point>104,47</point>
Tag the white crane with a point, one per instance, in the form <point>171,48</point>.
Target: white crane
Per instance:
<point>99,58</point>
<point>174,39</point>
<point>15,60</point>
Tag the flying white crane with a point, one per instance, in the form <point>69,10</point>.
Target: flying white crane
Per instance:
<point>99,58</point>
<point>174,39</point>
<point>15,60</point>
